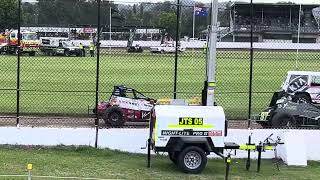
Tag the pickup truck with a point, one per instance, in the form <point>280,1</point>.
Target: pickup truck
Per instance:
<point>59,47</point>
<point>166,48</point>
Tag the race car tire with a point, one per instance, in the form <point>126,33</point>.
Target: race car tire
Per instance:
<point>192,159</point>
<point>33,53</point>
<point>114,116</point>
<point>66,53</point>
<point>301,98</point>
<point>16,51</point>
<point>283,120</point>
<point>173,156</point>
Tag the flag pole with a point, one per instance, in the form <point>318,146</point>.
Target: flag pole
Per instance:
<point>193,20</point>
<point>298,38</point>
<point>110,19</point>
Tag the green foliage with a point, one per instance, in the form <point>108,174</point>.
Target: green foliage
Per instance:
<point>168,21</point>
<point>81,12</point>
<point>8,14</point>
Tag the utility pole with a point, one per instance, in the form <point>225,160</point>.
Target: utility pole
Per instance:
<point>298,38</point>
<point>211,74</point>
<point>193,20</point>
<point>110,20</point>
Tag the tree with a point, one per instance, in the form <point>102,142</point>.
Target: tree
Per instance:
<point>168,21</point>
<point>29,14</point>
<point>47,12</point>
<point>8,14</point>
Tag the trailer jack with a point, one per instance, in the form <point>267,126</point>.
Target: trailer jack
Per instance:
<point>267,144</point>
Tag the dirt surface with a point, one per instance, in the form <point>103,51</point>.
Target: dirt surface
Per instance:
<point>65,122</point>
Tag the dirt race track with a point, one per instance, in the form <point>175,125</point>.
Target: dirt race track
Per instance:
<point>64,122</point>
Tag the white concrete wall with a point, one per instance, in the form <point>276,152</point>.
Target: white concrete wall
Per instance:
<point>131,140</point>
<point>220,45</point>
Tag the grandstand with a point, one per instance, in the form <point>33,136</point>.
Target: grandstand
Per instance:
<point>273,23</point>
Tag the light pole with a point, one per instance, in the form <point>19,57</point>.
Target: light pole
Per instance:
<point>110,20</point>
<point>211,59</point>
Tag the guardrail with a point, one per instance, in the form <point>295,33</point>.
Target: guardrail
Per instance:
<point>220,45</point>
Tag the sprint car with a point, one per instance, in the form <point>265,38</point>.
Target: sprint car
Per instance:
<point>135,49</point>
<point>125,104</point>
<point>283,112</point>
<point>304,86</point>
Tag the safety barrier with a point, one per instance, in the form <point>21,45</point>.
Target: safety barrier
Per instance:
<point>220,45</point>
<point>132,140</point>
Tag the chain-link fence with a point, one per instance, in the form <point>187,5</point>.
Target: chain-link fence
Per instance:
<point>71,56</point>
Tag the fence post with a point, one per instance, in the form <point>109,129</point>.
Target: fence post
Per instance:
<point>96,123</point>
<point>18,64</point>
<point>251,64</point>
<point>176,52</point>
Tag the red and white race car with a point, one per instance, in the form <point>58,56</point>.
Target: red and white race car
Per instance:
<point>125,104</point>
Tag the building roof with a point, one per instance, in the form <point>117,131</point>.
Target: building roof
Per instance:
<point>272,4</point>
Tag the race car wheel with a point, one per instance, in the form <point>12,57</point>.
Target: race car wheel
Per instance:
<point>16,51</point>
<point>192,159</point>
<point>301,98</point>
<point>32,53</point>
<point>173,156</point>
<point>66,53</point>
<point>283,120</point>
<point>114,116</point>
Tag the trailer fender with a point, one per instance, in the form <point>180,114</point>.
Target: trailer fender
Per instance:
<point>179,143</point>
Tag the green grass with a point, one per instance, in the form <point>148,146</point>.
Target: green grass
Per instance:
<point>90,162</point>
<point>65,85</point>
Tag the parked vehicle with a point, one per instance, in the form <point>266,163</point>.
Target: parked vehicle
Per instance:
<point>29,43</point>
<point>130,48</point>
<point>125,104</point>
<point>304,86</point>
<point>296,104</point>
<point>166,48</point>
<point>285,113</point>
<point>59,46</point>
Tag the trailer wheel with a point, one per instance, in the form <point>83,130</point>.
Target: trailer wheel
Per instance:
<point>283,120</point>
<point>192,159</point>
<point>114,116</point>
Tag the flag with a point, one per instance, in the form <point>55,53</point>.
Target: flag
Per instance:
<point>201,11</point>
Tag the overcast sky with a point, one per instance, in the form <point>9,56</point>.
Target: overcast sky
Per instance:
<point>269,1</point>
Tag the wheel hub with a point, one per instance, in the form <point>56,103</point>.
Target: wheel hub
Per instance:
<point>114,117</point>
<point>192,160</point>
